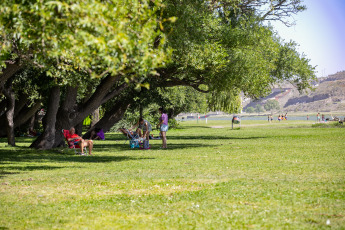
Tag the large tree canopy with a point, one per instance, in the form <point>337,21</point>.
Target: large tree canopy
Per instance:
<point>91,52</point>
<point>228,48</point>
<point>99,37</point>
<point>71,43</point>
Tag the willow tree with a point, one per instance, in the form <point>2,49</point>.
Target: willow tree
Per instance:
<point>223,48</point>
<point>227,47</point>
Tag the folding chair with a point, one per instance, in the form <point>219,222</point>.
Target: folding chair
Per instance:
<point>134,139</point>
<point>72,144</point>
<point>128,134</point>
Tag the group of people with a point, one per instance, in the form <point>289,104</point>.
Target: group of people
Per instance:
<point>318,116</point>
<point>282,117</point>
<point>144,127</point>
<point>143,130</point>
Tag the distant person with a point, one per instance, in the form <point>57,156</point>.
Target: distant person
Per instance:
<point>318,117</point>
<point>271,118</point>
<point>268,118</point>
<point>323,117</point>
<point>97,134</point>
<point>163,126</point>
<point>307,117</point>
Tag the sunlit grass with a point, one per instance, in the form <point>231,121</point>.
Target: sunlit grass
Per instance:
<point>265,175</point>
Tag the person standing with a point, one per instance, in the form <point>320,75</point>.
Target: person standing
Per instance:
<point>307,117</point>
<point>163,124</point>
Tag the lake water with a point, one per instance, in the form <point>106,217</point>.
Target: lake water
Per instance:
<point>294,118</point>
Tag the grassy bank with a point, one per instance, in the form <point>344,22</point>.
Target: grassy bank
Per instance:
<point>278,175</point>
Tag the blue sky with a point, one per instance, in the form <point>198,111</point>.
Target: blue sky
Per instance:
<point>320,32</point>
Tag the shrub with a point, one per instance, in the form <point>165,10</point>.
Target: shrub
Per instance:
<point>328,125</point>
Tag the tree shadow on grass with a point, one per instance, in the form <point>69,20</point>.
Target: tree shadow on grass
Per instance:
<point>44,158</point>
<point>24,154</point>
<point>120,137</point>
<point>156,146</point>
<point>193,126</point>
<point>199,137</point>
<point>3,173</point>
<point>20,139</point>
<point>115,136</point>
<point>18,169</point>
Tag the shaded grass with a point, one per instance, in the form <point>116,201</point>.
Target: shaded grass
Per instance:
<point>278,176</point>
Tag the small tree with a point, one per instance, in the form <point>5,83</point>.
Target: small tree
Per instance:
<point>250,109</point>
<point>272,105</point>
<point>259,108</point>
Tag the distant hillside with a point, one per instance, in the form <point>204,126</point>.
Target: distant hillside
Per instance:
<point>328,95</point>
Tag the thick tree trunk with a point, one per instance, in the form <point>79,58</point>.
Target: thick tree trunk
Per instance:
<point>20,103</point>
<point>70,115</point>
<point>79,128</point>
<point>10,97</point>
<point>12,67</point>
<point>26,113</point>
<point>20,117</point>
<point>94,117</point>
<point>47,139</point>
<point>110,118</point>
<point>31,125</point>
<point>96,99</point>
<point>65,115</point>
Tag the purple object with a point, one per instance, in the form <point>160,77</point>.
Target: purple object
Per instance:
<point>101,134</point>
<point>164,118</point>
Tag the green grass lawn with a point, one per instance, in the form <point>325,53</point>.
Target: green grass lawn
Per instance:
<point>284,175</point>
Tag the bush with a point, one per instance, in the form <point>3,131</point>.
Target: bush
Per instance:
<point>328,125</point>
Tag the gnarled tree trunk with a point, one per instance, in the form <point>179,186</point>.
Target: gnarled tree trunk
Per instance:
<point>10,98</point>
<point>110,118</point>
<point>26,113</point>
<point>20,117</point>
<point>94,117</point>
<point>12,67</point>
<point>31,123</point>
<point>47,139</point>
<point>70,114</point>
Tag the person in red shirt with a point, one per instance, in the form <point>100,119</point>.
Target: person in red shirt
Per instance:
<point>72,137</point>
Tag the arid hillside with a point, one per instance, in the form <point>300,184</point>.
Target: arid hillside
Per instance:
<point>328,95</point>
